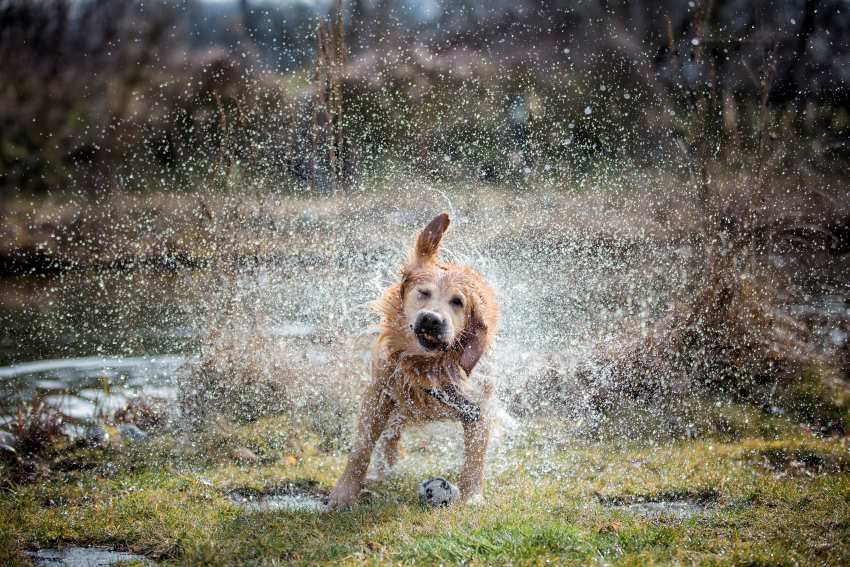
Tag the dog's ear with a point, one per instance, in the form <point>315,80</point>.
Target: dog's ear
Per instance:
<point>473,342</point>
<point>428,241</point>
<point>405,281</point>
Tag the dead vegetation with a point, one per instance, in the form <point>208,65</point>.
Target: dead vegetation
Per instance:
<point>246,376</point>
<point>245,372</point>
<point>730,338</point>
<point>37,430</point>
<point>729,334</point>
<point>329,147</point>
<point>37,427</point>
<point>146,413</point>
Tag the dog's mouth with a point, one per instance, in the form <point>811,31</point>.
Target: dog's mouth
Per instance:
<point>430,342</point>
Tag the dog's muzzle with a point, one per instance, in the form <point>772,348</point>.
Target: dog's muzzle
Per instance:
<point>430,330</point>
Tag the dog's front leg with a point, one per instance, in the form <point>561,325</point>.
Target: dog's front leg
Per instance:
<point>476,435</point>
<point>374,413</point>
<point>388,452</point>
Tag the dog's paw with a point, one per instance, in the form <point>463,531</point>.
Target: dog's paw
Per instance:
<point>374,478</point>
<point>472,498</point>
<point>342,497</point>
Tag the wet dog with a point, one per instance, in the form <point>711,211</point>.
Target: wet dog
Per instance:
<point>437,322</point>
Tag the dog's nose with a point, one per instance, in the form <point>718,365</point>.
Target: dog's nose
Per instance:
<point>430,323</point>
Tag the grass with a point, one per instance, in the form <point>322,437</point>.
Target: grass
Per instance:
<point>781,499</point>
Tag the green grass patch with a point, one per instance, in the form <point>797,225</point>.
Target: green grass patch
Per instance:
<point>547,500</point>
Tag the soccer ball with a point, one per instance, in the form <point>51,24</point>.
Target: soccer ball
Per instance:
<point>437,492</point>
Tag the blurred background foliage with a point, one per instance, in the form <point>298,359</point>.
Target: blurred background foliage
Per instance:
<point>101,95</point>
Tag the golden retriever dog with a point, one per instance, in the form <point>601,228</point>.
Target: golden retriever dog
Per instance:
<point>436,323</point>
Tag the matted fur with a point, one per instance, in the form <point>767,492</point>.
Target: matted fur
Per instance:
<point>403,370</point>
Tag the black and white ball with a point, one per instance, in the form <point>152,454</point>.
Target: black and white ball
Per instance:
<point>437,492</point>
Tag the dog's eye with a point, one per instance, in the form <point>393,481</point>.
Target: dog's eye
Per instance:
<point>424,294</point>
<point>456,302</point>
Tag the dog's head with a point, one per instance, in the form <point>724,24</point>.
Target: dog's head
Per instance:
<point>448,309</point>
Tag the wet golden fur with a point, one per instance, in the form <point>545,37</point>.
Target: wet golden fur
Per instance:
<point>403,369</point>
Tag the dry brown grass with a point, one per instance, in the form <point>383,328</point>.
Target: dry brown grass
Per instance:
<point>732,340</point>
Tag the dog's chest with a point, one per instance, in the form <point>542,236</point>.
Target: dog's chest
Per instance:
<point>420,406</point>
<point>439,400</point>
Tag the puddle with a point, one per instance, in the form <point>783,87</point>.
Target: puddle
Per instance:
<point>74,367</point>
<point>84,557</point>
<point>662,510</point>
<point>664,506</point>
<point>287,498</point>
<point>87,389</point>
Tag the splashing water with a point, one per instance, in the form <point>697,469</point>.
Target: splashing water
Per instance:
<point>288,499</point>
<point>289,330</point>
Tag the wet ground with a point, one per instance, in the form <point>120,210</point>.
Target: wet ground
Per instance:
<point>286,498</point>
<point>83,557</point>
<point>661,510</point>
